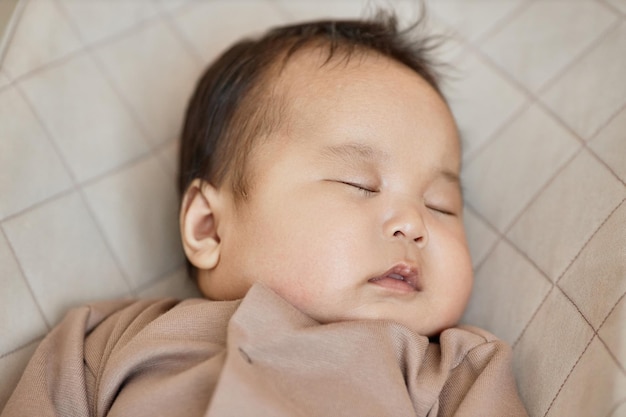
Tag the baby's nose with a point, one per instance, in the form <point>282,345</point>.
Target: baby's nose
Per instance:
<point>407,223</point>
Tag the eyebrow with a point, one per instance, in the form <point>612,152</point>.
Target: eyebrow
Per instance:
<point>450,176</point>
<point>352,152</point>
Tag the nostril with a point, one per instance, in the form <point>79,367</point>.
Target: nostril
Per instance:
<point>420,238</point>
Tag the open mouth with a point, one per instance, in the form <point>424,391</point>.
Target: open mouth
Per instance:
<point>401,277</point>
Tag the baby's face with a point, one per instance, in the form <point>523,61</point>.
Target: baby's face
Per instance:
<point>355,210</point>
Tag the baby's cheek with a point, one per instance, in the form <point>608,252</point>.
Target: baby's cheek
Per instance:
<point>289,289</point>
<point>306,299</point>
<point>463,291</point>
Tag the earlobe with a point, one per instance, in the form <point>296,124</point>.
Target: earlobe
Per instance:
<point>198,225</point>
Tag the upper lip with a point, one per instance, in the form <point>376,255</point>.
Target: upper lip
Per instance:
<point>407,272</point>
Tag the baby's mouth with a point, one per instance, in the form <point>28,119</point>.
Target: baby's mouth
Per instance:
<point>401,277</point>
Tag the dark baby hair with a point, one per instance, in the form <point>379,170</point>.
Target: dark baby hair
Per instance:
<point>233,104</point>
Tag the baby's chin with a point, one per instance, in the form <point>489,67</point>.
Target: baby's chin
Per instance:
<point>418,313</point>
<point>424,326</point>
<point>425,329</point>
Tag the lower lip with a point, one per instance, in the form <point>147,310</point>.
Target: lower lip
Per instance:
<point>394,284</point>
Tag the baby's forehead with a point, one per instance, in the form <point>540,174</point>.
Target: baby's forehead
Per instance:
<point>310,64</point>
<point>306,75</point>
<point>338,94</point>
<point>312,74</point>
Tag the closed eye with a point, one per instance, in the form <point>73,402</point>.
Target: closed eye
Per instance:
<point>441,211</point>
<point>367,190</point>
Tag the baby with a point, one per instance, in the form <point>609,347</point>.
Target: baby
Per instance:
<point>322,219</point>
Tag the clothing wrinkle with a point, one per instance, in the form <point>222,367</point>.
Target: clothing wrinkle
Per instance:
<point>165,357</point>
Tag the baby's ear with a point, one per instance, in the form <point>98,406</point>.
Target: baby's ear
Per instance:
<point>199,216</point>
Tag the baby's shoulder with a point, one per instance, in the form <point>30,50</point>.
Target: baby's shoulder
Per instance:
<point>136,315</point>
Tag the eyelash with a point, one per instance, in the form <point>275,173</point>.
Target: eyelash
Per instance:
<point>442,211</point>
<point>365,190</point>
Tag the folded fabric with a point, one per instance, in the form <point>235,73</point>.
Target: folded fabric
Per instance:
<point>258,356</point>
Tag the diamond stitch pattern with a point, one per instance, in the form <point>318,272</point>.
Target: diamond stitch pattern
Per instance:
<point>537,88</point>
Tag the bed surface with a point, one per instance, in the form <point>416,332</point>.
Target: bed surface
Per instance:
<point>91,101</point>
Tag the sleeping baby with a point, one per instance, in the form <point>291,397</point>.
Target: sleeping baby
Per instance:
<point>321,217</point>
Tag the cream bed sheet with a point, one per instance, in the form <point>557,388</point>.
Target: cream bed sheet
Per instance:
<point>91,100</point>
